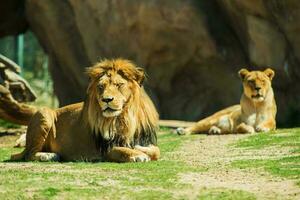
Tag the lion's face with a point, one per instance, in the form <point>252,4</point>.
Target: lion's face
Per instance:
<point>113,82</point>
<point>256,83</point>
<point>113,92</point>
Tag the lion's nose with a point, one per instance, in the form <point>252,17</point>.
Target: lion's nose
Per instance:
<point>257,88</point>
<point>108,99</point>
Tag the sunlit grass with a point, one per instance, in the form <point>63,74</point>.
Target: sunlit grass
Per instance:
<point>76,180</point>
<point>152,180</point>
<point>225,194</point>
<point>287,166</point>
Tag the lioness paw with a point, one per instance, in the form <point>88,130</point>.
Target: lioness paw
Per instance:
<point>262,129</point>
<point>214,130</point>
<point>140,158</point>
<point>244,128</point>
<point>181,131</point>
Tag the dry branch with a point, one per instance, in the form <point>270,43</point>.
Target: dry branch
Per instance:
<point>14,90</point>
<point>175,123</point>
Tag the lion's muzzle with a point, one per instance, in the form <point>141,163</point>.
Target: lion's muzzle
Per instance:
<point>107,99</point>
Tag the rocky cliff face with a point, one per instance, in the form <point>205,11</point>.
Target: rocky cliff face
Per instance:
<point>186,53</point>
<point>190,49</point>
<point>12,20</point>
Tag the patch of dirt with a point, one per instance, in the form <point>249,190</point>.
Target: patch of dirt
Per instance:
<point>261,185</point>
<point>12,131</point>
<point>215,154</point>
<point>9,136</point>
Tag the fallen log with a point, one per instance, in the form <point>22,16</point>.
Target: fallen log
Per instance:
<point>14,91</point>
<point>175,123</point>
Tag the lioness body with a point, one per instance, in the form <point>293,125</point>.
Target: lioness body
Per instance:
<point>256,111</point>
<point>116,122</point>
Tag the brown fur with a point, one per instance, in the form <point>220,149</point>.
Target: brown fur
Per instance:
<point>256,112</point>
<point>116,116</point>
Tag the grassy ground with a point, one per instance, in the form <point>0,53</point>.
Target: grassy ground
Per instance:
<point>285,166</point>
<point>191,167</point>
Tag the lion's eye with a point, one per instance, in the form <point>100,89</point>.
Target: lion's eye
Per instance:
<point>119,85</point>
<point>100,87</point>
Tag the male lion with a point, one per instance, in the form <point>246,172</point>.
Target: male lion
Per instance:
<point>117,122</point>
<point>256,112</point>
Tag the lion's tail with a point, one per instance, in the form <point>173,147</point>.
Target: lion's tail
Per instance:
<point>18,156</point>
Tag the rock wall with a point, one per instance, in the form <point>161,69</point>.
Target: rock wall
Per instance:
<point>269,33</point>
<point>190,49</point>
<point>12,20</point>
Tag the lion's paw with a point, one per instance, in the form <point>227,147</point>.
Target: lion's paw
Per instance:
<point>139,147</point>
<point>214,130</point>
<point>142,149</point>
<point>261,129</point>
<point>46,157</point>
<point>140,158</point>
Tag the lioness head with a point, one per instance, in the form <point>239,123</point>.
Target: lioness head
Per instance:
<point>112,84</point>
<point>256,83</point>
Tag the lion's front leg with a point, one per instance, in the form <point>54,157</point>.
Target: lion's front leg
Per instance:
<point>37,134</point>
<point>152,151</point>
<point>125,154</point>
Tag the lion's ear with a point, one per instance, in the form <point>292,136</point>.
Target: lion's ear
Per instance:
<point>243,72</point>
<point>270,73</point>
<point>93,72</point>
<point>140,75</point>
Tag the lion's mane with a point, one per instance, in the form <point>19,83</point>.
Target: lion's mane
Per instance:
<point>137,123</point>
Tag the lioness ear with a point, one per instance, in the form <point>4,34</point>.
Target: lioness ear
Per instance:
<point>243,72</point>
<point>270,73</point>
<point>140,76</point>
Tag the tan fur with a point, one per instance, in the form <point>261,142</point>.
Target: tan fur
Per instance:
<point>256,112</point>
<point>116,116</point>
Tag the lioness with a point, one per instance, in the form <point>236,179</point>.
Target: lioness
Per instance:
<point>117,121</point>
<point>256,112</point>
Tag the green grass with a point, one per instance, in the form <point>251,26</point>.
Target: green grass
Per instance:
<point>6,152</point>
<point>287,166</point>
<point>152,180</point>
<point>225,194</point>
<point>283,137</point>
<point>6,124</point>
<point>76,180</point>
